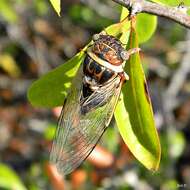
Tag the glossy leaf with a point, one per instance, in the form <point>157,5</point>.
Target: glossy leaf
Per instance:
<point>51,89</point>
<point>120,30</point>
<point>9,179</point>
<point>134,114</point>
<point>145,26</point>
<point>56,5</point>
<point>124,13</point>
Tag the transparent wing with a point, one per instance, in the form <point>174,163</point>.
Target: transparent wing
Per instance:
<point>78,134</point>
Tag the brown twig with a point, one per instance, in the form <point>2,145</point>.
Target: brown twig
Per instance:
<point>177,14</point>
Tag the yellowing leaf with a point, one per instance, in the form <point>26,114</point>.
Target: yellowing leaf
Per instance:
<point>56,5</point>
<point>9,179</point>
<point>8,64</point>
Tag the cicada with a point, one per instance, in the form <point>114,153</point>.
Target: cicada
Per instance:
<point>90,104</point>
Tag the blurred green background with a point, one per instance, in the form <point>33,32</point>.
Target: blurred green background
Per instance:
<point>34,40</point>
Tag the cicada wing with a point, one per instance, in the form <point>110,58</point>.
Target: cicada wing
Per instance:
<point>77,134</point>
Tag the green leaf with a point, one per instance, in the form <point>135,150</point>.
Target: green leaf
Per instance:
<point>56,5</point>
<point>145,26</point>
<point>124,13</point>
<point>134,114</point>
<point>50,131</point>
<point>9,179</point>
<point>7,11</point>
<point>41,6</point>
<point>51,89</point>
<point>120,30</point>
<point>176,142</point>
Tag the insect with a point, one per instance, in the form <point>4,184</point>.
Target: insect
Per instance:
<point>90,104</point>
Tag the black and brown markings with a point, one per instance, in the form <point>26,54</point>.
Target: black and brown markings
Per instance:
<point>109,49</point>
<point>97,76</point>
<point>95,71</point>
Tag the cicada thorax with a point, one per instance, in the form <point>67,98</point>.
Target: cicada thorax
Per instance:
<point>109,49</point>
<point>101,66</point>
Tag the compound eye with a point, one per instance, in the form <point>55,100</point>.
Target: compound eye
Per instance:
<point>124,55</point>
<point>95,37</point>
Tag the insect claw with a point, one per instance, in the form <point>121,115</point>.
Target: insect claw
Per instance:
<point>126,54</point>
<point>126,76</point>
<point>133,50</point>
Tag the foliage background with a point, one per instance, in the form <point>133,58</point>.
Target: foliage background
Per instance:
<point>34,40</point>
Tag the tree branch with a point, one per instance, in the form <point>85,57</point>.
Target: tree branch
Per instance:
<point>177,14</point>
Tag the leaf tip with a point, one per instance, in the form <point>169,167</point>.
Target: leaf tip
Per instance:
<point>57,6</point>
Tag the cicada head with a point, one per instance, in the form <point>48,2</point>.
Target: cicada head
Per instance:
<point>109,48</point>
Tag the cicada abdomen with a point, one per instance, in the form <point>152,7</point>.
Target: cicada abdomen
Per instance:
<point>90,103</point>
<point>95,76</point>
